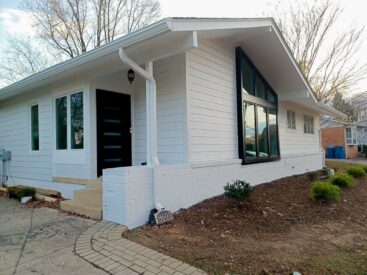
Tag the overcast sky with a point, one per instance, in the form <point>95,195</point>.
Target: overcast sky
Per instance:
<point>12,19</point>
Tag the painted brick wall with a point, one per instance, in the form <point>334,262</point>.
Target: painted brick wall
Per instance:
<point>127,191</point>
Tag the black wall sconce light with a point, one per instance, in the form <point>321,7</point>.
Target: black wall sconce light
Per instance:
<point>131,76</point>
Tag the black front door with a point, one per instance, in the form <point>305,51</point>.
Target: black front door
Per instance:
<point>113,130</point>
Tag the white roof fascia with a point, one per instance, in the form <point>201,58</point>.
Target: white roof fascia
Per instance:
<point>150,31</point>
<point>330,110</point>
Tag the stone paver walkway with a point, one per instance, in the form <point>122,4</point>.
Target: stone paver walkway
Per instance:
<point>103,246</point>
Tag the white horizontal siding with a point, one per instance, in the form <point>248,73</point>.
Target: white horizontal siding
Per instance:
<point>15,136</point>
<point>296,141</point>
<point>212,102</point>
<point>212,108</point>
<point>171,112</point>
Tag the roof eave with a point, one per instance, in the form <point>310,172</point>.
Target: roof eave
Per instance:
<point>150,31</point>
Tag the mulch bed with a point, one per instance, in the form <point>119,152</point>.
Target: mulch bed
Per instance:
<point>279,230</point>
<point>43,203</point>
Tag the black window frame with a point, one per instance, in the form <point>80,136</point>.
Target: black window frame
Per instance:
<point>257,102</point>
<point>35,137</point>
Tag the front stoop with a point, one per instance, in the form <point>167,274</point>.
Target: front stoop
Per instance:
<point>87,202</point>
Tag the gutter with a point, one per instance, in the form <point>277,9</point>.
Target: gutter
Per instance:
<point>46,75</point>
<point>153,160</point>
<point>330,110</point>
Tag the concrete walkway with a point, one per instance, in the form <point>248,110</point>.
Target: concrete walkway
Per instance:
<point>103,246</point>
<point>40,241</point>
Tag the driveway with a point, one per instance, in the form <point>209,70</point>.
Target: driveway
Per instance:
<point>362,161</point>
<point>49,247</point>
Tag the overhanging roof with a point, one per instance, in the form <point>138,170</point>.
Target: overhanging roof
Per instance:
<point>260,38</point>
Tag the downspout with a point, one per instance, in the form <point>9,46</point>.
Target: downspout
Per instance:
<point>153,159</point>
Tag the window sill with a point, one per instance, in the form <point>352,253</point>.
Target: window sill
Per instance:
<point>259,160</point>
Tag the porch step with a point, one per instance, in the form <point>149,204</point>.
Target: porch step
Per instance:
<point>92,197</point>
<point>74,206</point>
<point>87,202</point>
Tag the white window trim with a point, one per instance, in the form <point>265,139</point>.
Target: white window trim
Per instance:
<point>68,122</point>
<point>353,136</point>
<point>313,124</point>
<point>30,128</point>
<point>295,120</point>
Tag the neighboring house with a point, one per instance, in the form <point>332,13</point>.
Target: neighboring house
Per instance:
<point>351,136</point>
<point>230,103</point>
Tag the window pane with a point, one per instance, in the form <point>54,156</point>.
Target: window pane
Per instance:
<point>260,88</point>
<point>294,120</point>
<point>262,131</point>
<point>308,124</point>
<point>249,128</point>
<point>271,96</point>
<point>349,132</point>
<point>289,119</point>
<point>273,133</point>
<point>76,121</point>
<point>34,128</point>
<point>61,123</point>
<point>247,78</point>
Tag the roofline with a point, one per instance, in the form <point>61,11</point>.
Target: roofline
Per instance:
<point>159,27</point>
<point>291,56</point>
<point>330,110</point>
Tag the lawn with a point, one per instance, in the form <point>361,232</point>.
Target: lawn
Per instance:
<point>279,230</point>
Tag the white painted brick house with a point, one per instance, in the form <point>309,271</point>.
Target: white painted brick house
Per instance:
<point>213,100</point>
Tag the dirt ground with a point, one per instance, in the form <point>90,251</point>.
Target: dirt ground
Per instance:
<point>280,230</point>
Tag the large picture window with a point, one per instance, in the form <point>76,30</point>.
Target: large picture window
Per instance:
<point>69,121</point>
<point>76,121</point>
<point>61,122</point>
<point>257,113</point>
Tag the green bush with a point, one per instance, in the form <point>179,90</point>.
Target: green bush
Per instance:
<point>342,180</point>
<point>19,192</point>
<point>364,167</point>
<point>356,171</point>
<point>325,191</point>
<point>239,190</point>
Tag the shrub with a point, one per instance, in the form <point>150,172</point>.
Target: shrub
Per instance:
<point>356,172</point>
<point>21,191</point>
<point>342,180</point>
<point>239,190</point>
<point>364,167</point>
<point>325,191</point>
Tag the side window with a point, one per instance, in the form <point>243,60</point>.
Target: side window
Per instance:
<point>76,121</point>
<point>291,118</point>
<point>69,121</point>
<point>35,142</point>
<point>351,136</point>
<point>308,124</point>
<point>61,122</point>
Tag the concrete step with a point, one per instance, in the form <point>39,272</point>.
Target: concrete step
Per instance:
<point>92,197</point>
<point>95,184</point>
<point>81,208</point>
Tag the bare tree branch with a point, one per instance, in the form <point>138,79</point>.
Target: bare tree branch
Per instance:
<point>329,67</point>
<point>20,59</point>
<point>76,26</point>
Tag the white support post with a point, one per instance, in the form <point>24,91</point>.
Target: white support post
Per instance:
<point>148,109</point>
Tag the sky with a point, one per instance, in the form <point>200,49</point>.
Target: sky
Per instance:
<point>14,20</point>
